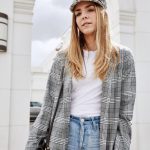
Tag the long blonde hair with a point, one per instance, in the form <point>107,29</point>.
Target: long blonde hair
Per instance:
<point>105,53</point>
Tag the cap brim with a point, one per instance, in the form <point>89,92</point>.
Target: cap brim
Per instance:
<point>96,2</point>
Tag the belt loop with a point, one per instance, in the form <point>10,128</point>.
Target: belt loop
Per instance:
<point>94,124</point>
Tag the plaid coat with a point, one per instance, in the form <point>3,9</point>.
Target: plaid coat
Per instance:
<point>118,96</point>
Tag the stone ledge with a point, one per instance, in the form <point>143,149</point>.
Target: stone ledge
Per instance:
<point>24,6</point>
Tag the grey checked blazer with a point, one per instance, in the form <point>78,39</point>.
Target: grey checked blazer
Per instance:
<point>118,96</point>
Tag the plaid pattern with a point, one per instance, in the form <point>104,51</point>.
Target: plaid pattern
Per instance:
<point>100,2</point>
<point>118,96</point>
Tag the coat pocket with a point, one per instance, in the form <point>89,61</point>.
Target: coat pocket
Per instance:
<point>123,136</point>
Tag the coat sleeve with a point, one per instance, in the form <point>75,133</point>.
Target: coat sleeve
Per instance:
<point>40,126</point>
<point>128,94</point>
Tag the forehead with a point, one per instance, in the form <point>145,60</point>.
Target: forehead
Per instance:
<point>83,4</point>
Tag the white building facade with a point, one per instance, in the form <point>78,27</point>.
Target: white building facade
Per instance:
<point>15,75</point>
<point>129,26</point>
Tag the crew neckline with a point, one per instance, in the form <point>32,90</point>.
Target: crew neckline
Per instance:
<point>89,51</point>
<point>89,54</point>
<point>86,52</point>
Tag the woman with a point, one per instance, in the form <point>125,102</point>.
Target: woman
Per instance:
<point>95,84</point>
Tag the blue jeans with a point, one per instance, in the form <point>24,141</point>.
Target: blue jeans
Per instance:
<point>84,133</point>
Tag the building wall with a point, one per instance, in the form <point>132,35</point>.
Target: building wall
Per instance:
<point>15,76</point>
<point>39,80</point>
<point>135,33</point>
<point>142,39</point>
<point>5,81</point>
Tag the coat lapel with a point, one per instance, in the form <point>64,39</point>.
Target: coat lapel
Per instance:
<point>106,93</point>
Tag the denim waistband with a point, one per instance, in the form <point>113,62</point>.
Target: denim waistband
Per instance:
<point>85,118</point>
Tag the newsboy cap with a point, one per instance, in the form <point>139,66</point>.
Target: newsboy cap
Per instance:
<point>99,2</point>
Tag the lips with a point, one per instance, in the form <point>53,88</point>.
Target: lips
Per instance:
<point>86,23</point>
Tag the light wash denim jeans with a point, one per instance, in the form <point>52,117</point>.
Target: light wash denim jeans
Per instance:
<point>84,133</point>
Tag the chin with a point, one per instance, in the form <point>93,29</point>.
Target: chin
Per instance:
<point>88,32</point>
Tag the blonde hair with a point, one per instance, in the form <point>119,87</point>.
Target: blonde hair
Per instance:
<point>106,53</point>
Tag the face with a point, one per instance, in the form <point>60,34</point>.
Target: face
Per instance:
<point>85,14</point>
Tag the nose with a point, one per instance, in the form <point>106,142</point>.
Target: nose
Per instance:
<point>84,15</point>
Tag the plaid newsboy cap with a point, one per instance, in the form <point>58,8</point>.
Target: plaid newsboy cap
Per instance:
<point>100,2</point>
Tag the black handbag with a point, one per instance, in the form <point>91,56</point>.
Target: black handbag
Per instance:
<point>43,145</point>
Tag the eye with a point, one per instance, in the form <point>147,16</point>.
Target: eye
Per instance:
<point>77,14</point>
<point>91,9</point>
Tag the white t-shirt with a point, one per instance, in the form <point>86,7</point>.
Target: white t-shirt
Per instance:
<point>86,93</point>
